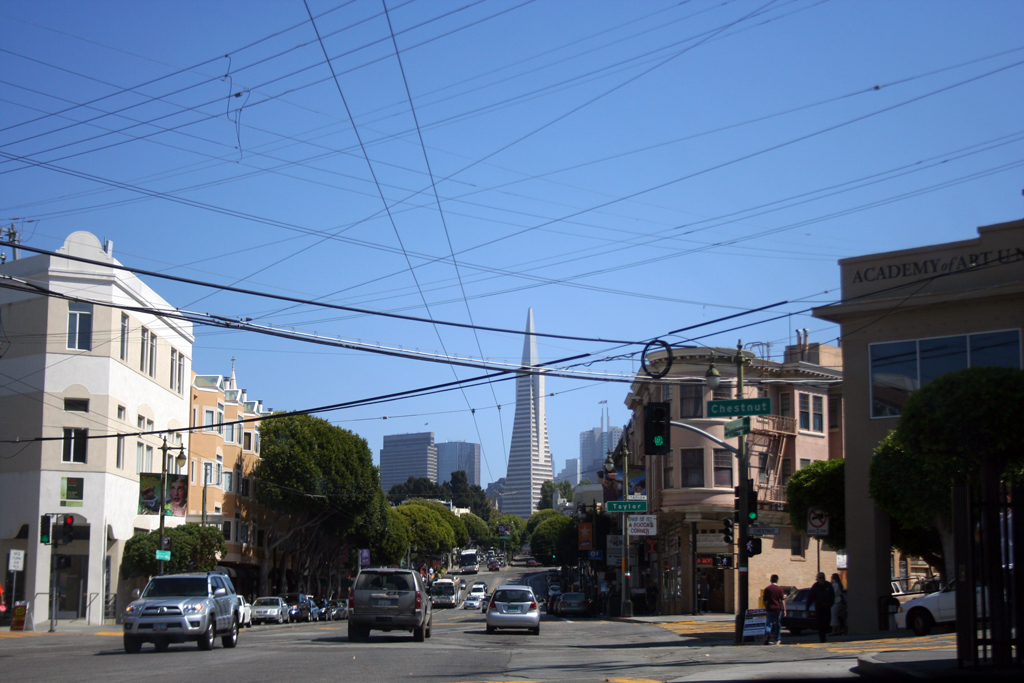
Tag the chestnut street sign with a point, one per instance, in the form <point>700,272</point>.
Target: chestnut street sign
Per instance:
<point>740,406</point>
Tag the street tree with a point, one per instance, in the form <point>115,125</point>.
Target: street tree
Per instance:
<point>429,533</point>
<point>478,530</point>
<point>554,542</point>
<point>515,526</point>
<point>820,485</point>
<point>194,548</point>
<point>547,491</point>
<point>538,517</point>
<point>960,427</point>
<point>466,495</point>
<point>456,524</point>
<point>313,479</point>
<point>419,487</point>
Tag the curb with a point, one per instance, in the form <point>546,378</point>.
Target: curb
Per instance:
<point>868,665</point>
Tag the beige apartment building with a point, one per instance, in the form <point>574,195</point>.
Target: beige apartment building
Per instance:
<point>691,490</point>
<point>906,317</point>
<point>222,456</point>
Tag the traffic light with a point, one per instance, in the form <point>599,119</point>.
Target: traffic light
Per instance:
<point>44,529</point>
<point>751,501</point>
<point>657,428</point>
<point>753,547</point>
<point>728,535</point>
<point>69,528</point>
<point>166,543</point>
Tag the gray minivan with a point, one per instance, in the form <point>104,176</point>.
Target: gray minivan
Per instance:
<point>386,599</point>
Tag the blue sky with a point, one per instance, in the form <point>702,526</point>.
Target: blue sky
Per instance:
<point>623,168</point>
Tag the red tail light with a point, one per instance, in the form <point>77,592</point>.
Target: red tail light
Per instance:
<point>419,600</point>
<point>492,605</point>
<point>351,602</point>
<point>533,606</point>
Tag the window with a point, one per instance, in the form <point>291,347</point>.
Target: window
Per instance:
<point>76,405</point>
<point>75,445</point>
<point>227,530</point>
<point>149,458</point>
<point>144,350</point>
<point>140,452</point>
<point>229,432</point>
<point>124,337</point>
<point>243,531</point>
<point>691,401</point>
<point>796,545</point>
<point>220,418</point>
<point>208,420</point>
<point>207,474</point>
<point>691,467</point>
<point>666,393</point>
<point>238,433</point>
<point>120,452</point>
<point>244,489</point>
<point>723,468</point>
<point>80,326</point>
<point>181,372</point>
<point>192,472</point>
<point>121,413</point>
<point>804,462</point>
<point>174,369</point>
<point>817,414</point>
<point>247,441</point>
<point>152,355</point>
<point>785,405</point>
<point>228,482</point>
<point>256,438</point>
<point>722,393</point>
<point>900,368</point>
<point>835,409</point>
<point>220,470</point>
<point>805,410</point>
<point>787,470</point>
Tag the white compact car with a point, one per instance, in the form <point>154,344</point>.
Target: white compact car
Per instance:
<point>920,615</point>
<point>513,607</point>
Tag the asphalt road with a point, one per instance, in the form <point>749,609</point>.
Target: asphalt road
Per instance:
<point>460,650</point>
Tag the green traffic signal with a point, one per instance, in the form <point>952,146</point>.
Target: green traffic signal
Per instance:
<point>659,440</point>
<point>752,515</point>
<point>44,529</point>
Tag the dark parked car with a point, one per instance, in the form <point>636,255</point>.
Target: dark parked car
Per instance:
<point>299,606</point>
<point>574,604</point>
<point>800,616</point>
<point>386,599</point>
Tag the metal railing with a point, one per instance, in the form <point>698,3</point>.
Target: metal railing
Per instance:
<point>774,423</point>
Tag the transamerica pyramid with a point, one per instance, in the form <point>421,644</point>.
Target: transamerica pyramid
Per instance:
<point>529,458</point>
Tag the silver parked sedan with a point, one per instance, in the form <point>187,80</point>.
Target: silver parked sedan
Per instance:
<point>513,607</point>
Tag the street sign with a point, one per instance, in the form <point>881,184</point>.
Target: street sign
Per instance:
<point>16,561</point>
<point>636,496</point>
<point>740,406</point>
<point>164,555</point>
<point>763,531</point>
<point>595,555</point>
<point>737,427</point>
<point>817,522</point>
<point>643,525</point>
<point>626,506</point>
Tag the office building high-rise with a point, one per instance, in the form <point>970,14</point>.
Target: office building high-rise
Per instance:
<point>594,446</point>
<point>529,458</point>
<point>570,473</point>
<point>453,456</point>
<point>407,455</point>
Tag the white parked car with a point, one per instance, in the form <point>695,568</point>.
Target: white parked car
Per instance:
<point>270,609</point>
<point>245,612</point>
<point>922,614</point>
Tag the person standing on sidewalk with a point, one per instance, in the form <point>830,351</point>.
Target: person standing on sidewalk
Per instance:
<point>837,605</point>
<point>822,596</point>
<point>775,609</point>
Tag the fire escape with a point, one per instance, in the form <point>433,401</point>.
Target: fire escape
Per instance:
<point>770,436</point>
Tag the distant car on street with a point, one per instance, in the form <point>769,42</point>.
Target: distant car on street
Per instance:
<point>572,604</point>
<point>513,607</point>
<point>269,609</point>
<point>531,562</point>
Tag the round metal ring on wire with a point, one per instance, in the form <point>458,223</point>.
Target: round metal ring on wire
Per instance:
<point>668,360</point>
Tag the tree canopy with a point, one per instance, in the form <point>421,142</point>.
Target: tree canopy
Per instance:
<point>429,532</point>
<point>538,517</point>
<point>953,429</point>
<point>547,490</point>
<point>194,548</point>
<point>555,542</point>
<point>820,485</point>
<point>479,531</point>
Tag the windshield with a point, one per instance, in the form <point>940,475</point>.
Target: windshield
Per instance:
<point>513,596</point>
<point>384,581</point>
<point>268,602</point>
<point>292,599</point>
<point>174,587</point>
<point>444,589</point>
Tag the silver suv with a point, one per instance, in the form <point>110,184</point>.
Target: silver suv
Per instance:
<point>180,608</point>
<point>389,600</point>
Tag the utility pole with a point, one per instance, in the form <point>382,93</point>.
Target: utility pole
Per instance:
<point>744,484</point>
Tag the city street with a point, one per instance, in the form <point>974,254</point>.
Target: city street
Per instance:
<point>678,648</point>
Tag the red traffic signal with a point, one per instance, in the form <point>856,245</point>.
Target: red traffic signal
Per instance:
<point>69,528</point>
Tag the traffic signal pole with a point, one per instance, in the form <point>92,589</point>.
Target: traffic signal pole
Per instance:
<point>744,472</point>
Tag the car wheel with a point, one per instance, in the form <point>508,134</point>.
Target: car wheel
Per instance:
<point>430,626</point>
<point>205,641</point>
<point>490,629</point>
<point>357,634</point>
<point>419,634</point>
<point>920,622</point>
<point>161,645</point>
<point>280,619</point>
<point>796,631</point>
<point>132,645</point>
<point>231,639</point>
<point>535,630</point>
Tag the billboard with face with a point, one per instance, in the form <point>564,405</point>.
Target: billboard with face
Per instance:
<point>175,495</point>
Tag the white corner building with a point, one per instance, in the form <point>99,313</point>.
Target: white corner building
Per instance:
<point>77,374</point>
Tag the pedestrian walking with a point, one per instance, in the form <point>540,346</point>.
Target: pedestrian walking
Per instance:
<point>775,609</point>
<point>822,596</point>
<point>837,604</point>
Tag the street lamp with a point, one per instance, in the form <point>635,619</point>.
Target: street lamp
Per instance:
<point>626,611</point>
<point>179,460</point>
<point>714,378</point>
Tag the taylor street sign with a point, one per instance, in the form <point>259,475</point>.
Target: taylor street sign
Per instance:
<point>164,555</point>
<point>626,506</point>
<point>740,406</point>
<point>737,427</point>
<point>763,531</point>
